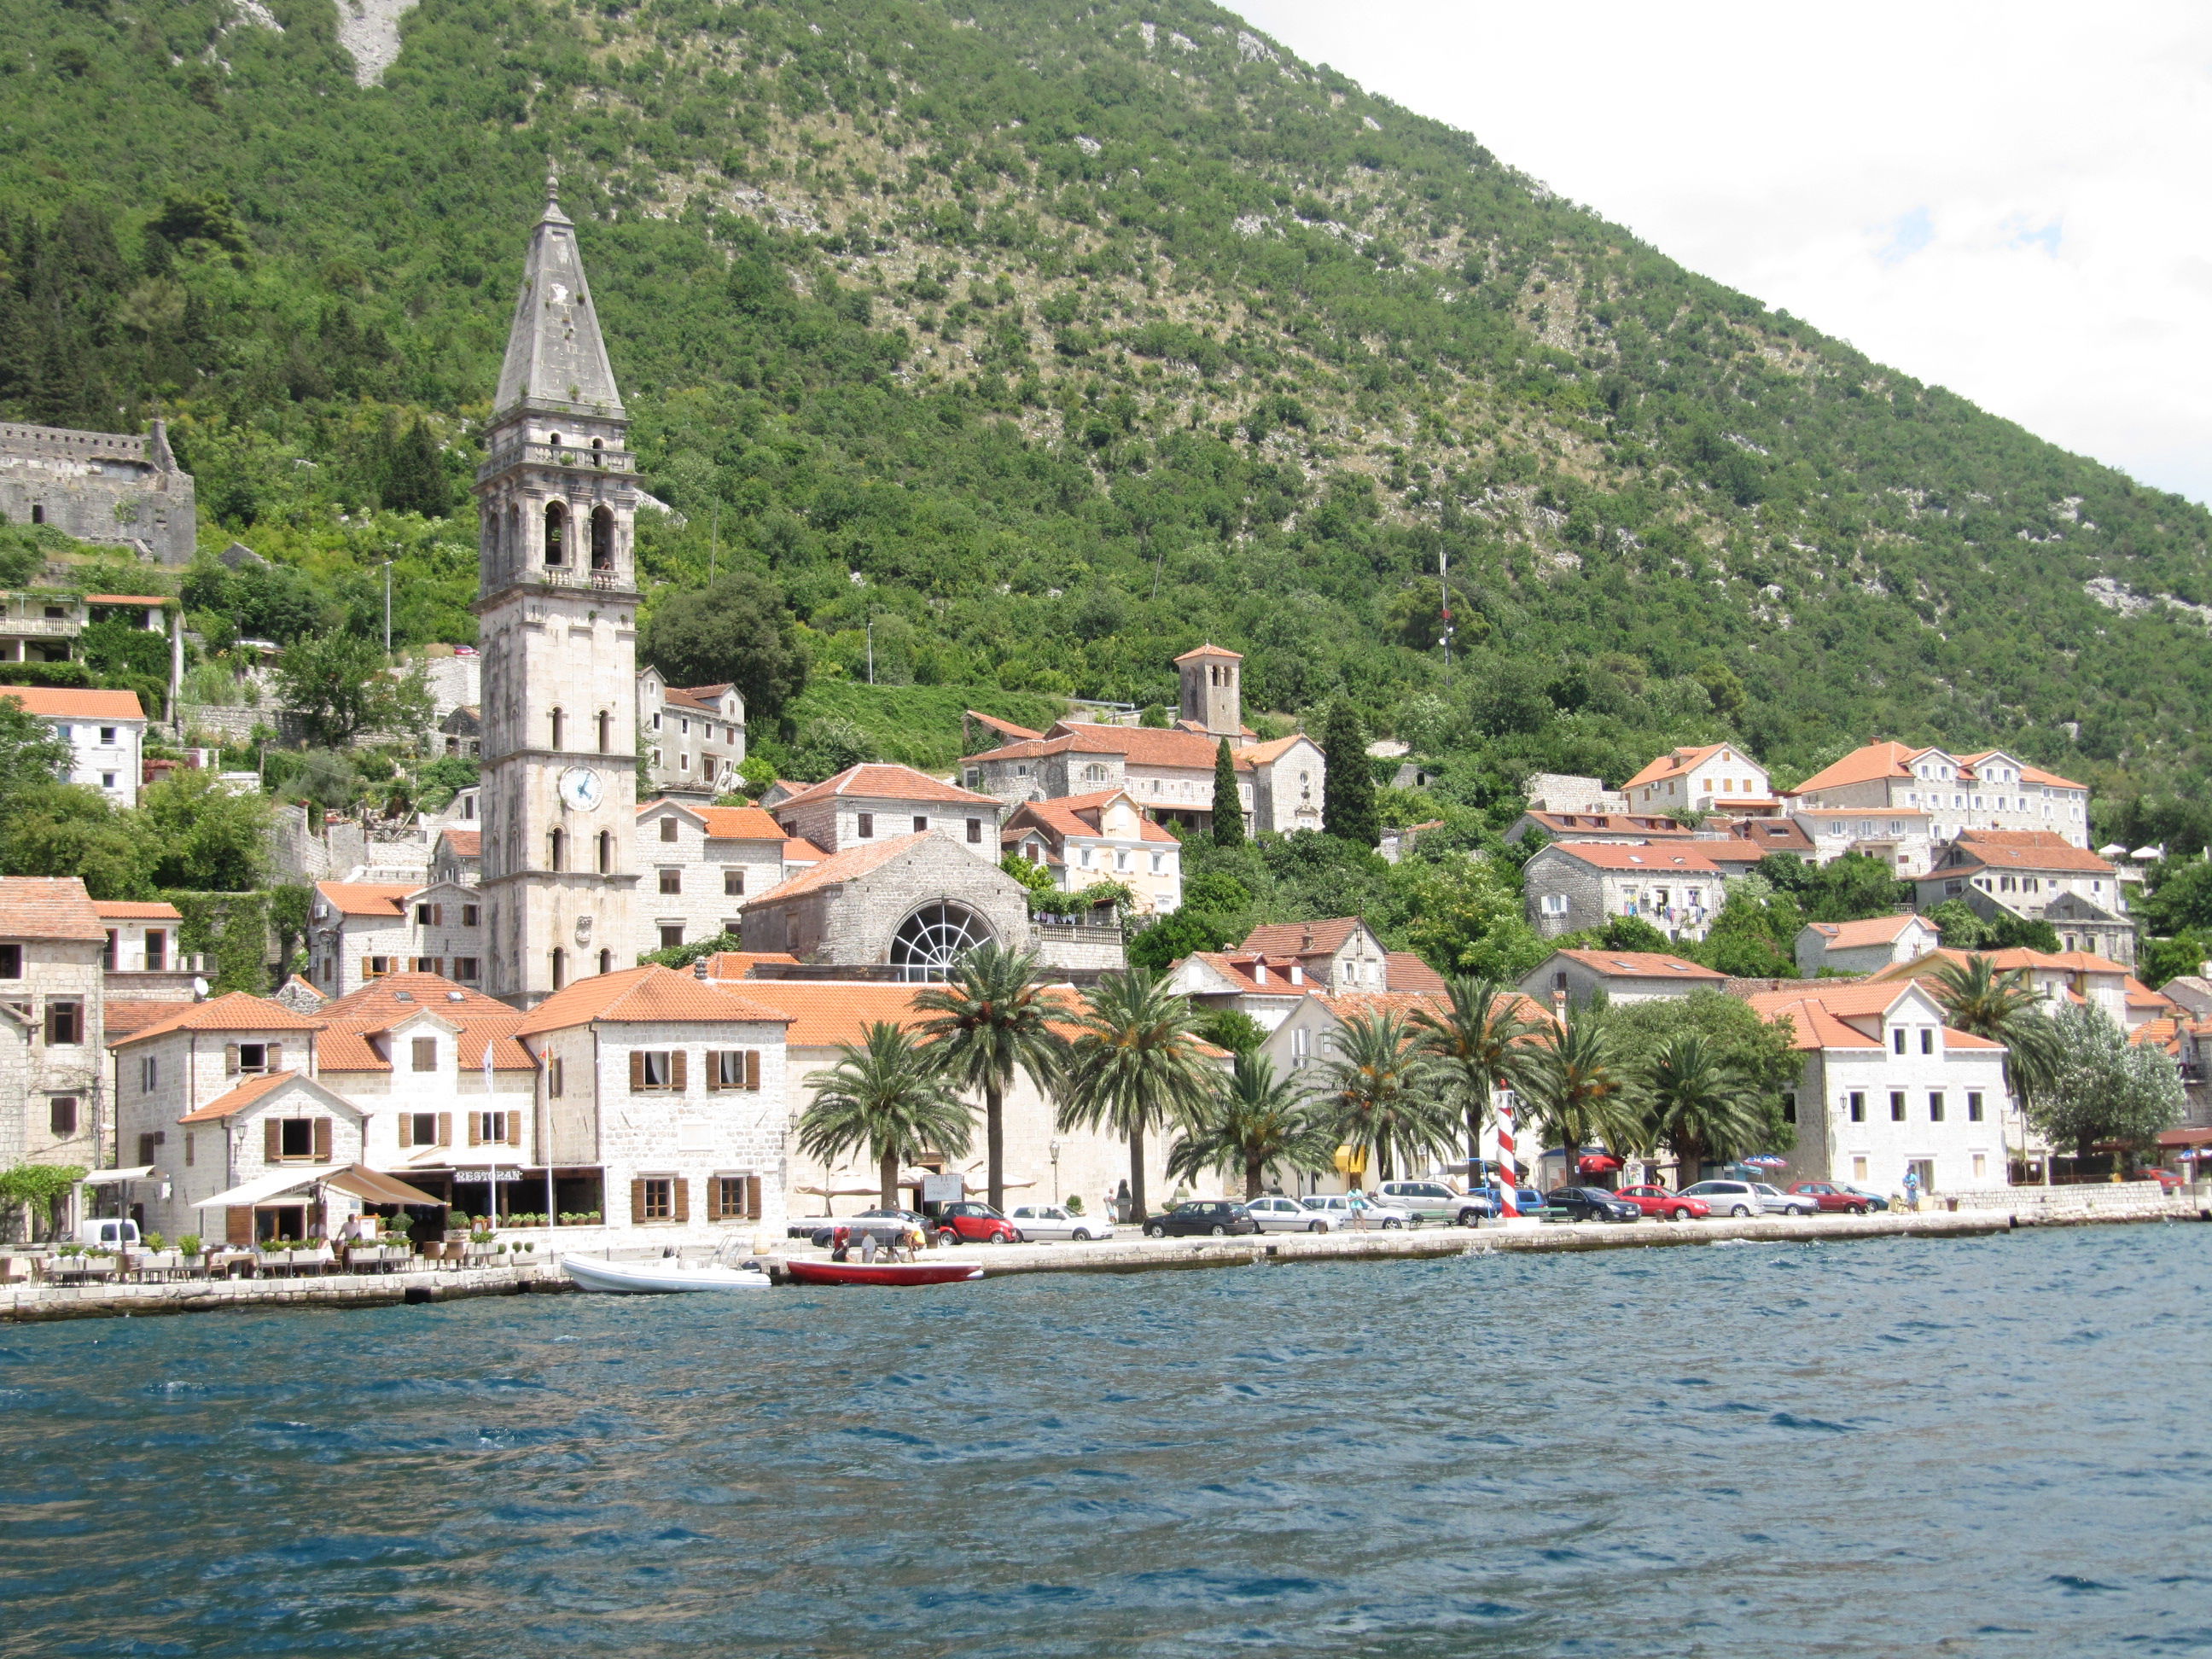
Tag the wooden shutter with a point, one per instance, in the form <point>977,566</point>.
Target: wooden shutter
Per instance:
<point>752,1198</point>
<point>272,1139</point>
<point>515,1128</point>
<point>636,1070</point>
<point>636,1202</point>
<point>238,1224</point>
<point>680,1190</point>
<point>322,1140</point>
<point>369,967</point>
<point>437,915</point>
<point>676,1069</point>
<point>476,1128</point>
<point>273,1057</point>
<point>407,1128</point>
<point>445,1128</point>
<point>714,1198</point>
<point>230,1060</point>
<point>752,1068</point>
<point>714,1068</point>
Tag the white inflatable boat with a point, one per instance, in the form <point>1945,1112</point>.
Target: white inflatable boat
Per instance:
<point>662,1276</point>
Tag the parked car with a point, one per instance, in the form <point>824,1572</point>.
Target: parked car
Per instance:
<point>885,1224</point>
<point>1874,1200</point>
<point>1215,1216</point>
<point>970,1223</point>
<point>1287,1215</point>
<point>1378,1214</point>
<point>1778,1202</point>
<point>1590,1204</point>
<point>1057,1221</point>
<point>1827,1196</point>
<point>1667,1207</point>
<point>1728,1198</point>
<point>1527,1201</point>
<point>112,1234</point>
<point>1437,1201</point>
<point>2168,1181</point>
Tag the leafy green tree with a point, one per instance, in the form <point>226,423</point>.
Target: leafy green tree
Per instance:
<point>40,1189</point>
<point>1176,936</point>
<point>1228,804</point>
<point>1696,1104</point>
<point>827,746</point>
<point>1762,1053</point>
<point>1482,1037</point>
<point>2163,959</point>
<point>697,950</point>
<point>2004,1007</point>
<point>1464,916</point>
<point>993,1019</point>
<point>1036,878</point>
<point>336,684</point>
<point>2179,899</point>
<point>735,631</point>
<point>2103,1088</point>
<point>1249,1122</point>
<point>1231,1028</point>
<point>205,835</point>
<point>1133,1066</point>
<point>1576,1089</point>
<point>1852,888</point>
<point>1347,805</point>
<point>887,1093</point>
<point>66,830</point>
<point>1960,929</point>
<point>1385,1089</point>
<point>33,755</point>
<point>412,476</point>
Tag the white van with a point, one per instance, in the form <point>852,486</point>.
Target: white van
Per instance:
<point>110,1234</point>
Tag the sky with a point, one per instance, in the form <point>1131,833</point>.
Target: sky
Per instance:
<point>2007,200</point>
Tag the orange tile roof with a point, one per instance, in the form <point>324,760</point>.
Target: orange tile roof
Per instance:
<point>1813,1025</point>
<point>2030,838</point>
<point>1868,765</point>
<point>1210,650</point>
<point>852,863</point>
<point>392,996</point>
<point>1635,856</point>
<point>1846,999</point>
<point>233,1011</point>
<point>71,702</point>
<point>797,849</point>
<point>127,598</point>
<point>1143,745</point>
<point>872,780</point>
<point>1348,1004</point>
<point>1772,833</point>
<point>346,1045</point>
<point>367,899</point>
<point>738,964</point>
<point>650,994</point>
<point>1007,728</point>
<point>1983,855</point>
<point>465,843</point>
<point>2027,773</point>
<point>1674,763</point>
<point>48,906</point>
<point>1641,965</point>
<point>237,1100</point>
<point>1301,939</point>
<point>124,1018</point>
<point>740,824</point>
<point>1079,815</point>
<point>131,910</point>
<point>1642,825</point>
<point>1877,930</point>
<point>704,698</point>
<point>1239,968</point>
<point>825,1013</point>
<point>2140,995</point>
<point>1402,970</point>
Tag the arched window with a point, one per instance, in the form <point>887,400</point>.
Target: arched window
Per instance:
<point>556,521</point>
<point>559,723</point>
<point>513,547</point>
<point>556,849</point>
<point>606,962</point>
<point>606,731</point>
<point>603,538</point>
<point>556,440</point>
<point>599,453</point>
<point>933,937</point>
<point>559,967</point>
<point>606,852</point>
<point>37,514</point>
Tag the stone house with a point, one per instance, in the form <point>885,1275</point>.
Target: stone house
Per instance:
<point>1714,777</point>
<point>2036,875</point>
<point>695,736</point>
<point>1887,1087</point>
<point>1573,887</point>
<point>1989,790</point>
<point>457,858</point>
<point>118,488</point>
<point>701,865</point>
<point>1565,791</point>
<point>52,1005</point>
<point>910,904</point>
<point>144,959</point>
<point>2076,977</point>
<point>1622,975</point>
<point>1864,947</point>
<point>105,732</point>
<point>1280,965</point>
<point>358,932</point>
<point>1900,836</point>
<point>1083,839</point>
<point>865,805</point>
<point>1622,827</point>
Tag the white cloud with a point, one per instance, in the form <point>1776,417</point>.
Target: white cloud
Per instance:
<point>2002,199</point>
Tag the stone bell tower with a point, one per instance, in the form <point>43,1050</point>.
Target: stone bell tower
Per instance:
<point>556,604</point>
<point>1210,696</point>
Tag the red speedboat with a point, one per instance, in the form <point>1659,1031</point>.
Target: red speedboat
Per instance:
<point>881,1273</point>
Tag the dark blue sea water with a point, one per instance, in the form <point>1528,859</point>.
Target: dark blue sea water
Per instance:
<point>1975,1448</point>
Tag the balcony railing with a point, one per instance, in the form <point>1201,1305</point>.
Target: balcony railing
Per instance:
<point>584,460</point>
<point>561,576</point>
<point>21,627</point>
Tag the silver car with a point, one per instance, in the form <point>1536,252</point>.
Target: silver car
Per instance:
<point>1057,1221</point>
<point>1378,1215</point>
<point>1739,1199</point>
<point>1287,1215</point>
<point>1436,1200</point>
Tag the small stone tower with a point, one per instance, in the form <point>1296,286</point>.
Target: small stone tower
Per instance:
<point>1210,697</point>
<point>557,499</point>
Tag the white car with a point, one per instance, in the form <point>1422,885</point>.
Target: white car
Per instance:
<point>1747,1198</point>
<point>1378,1215</point>
<point>1287,1215</point>
<point>1056,1221</point>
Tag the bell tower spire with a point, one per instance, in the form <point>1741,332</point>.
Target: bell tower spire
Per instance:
<point>556,604</point>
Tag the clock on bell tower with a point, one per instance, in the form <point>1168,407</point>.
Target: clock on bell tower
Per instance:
<point>556,604</point>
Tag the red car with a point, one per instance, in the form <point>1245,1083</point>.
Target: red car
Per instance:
<point>1667,1207</point>
<point>975,1223</point>
<point>2167,1180</point>
<point>1828,1198</point>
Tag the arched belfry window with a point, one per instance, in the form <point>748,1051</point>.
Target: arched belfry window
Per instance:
<point>556,849</point>
<point>606,962</point>
<point>606,853</point>
<point>556,525</point>
<point>603,538</point>
<point>560,725</point>
<point>606,732</point>
<point>559,967</point>
<point>933,937</point>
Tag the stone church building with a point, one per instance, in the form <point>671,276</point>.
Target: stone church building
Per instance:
<point>109,487</point>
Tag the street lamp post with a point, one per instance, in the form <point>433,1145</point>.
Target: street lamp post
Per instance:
<point>387,607</point>
<point>1052,1148</point>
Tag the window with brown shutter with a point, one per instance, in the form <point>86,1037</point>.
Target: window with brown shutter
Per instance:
<point>273,1056</point>
<point>676,1074</point>
<point>445,1128</point>
<point>230,1060</point>
<point>426,1054</point>
<point>145,1149</point>
<point>555,1077</point>
<point>475,1128</point>
<point>514,1121</point>
<point>407,1128</point>
<point>752,1198</point>
<point>272,1141</point>
<point>322,1140</point>
<point>682,1190</point>
<point>636,1201</point>
<point>636,1070</point>
<point>752,1068</point>
<point>238,1224</point>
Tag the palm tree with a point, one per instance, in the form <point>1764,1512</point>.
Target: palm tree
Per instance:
<point>1576,1088</point>
<point>1698,1105</point>
<point>992,1018</point>
<point>1385,1091</point>
<point>2004,1008</point>
<point>1134,1064</point>
<point>1249,1120</point>
<point>887,1093</point>
<point>1482,1037</point>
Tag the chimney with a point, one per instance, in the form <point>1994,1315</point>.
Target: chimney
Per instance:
<point>1309,943</point>
<point>699,968</point>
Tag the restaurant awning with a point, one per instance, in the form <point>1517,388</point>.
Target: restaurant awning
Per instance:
<point>262,1189</point>
<point>2184,1138</point>
<point>117,1177</point>
<point>374,1187</point>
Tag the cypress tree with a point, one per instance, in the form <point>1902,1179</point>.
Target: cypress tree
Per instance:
<point>1228,809</point>
<point>1347,795</point>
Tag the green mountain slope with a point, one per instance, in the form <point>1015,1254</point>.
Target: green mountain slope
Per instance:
<point>1055,337</point>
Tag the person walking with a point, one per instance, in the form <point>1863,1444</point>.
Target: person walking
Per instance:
<point>1358,1202</point>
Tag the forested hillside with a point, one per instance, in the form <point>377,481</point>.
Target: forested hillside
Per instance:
<point>1054,336</point>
